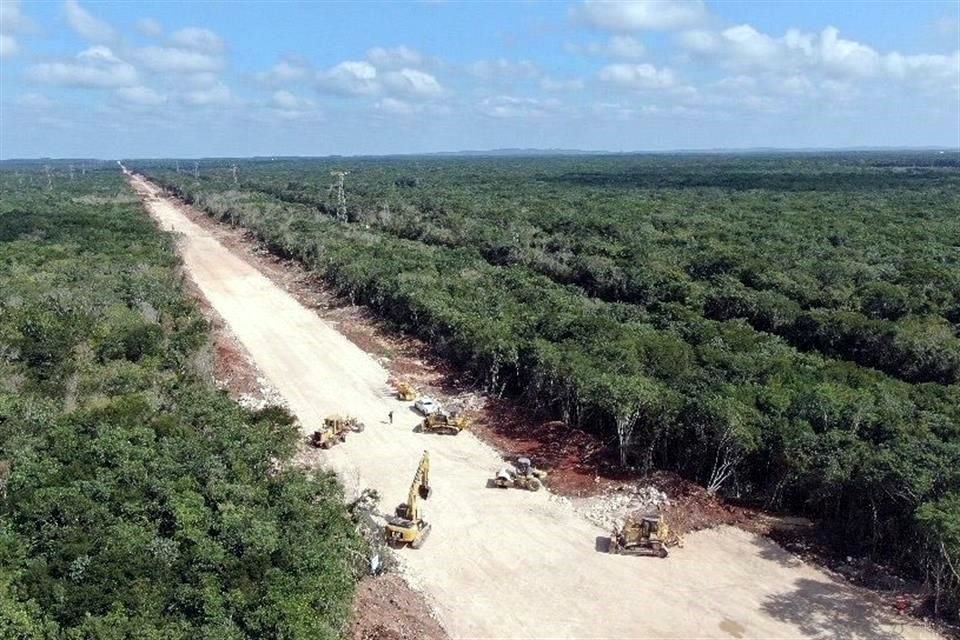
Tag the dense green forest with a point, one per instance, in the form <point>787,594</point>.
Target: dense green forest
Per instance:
<point>782,328</point>
<point>136,500</point>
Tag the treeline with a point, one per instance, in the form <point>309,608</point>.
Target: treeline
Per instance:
<point>741,410</point>
<point>859,258</point>
<point>136,500</point>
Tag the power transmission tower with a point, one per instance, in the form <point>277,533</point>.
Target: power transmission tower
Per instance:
<point>234,170</point>
<point>196,169</point>
<point>341,196</point>
<point>46,169</point>
<point>71,173</point>
<point>178,166</point>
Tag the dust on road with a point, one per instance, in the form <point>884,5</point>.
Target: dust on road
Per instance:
<point>511,564</point>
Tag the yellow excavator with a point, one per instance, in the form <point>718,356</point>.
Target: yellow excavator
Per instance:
<point>406,391</point>
<point>406,526</point>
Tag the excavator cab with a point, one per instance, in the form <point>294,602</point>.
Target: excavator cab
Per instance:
<point>407,526</point>
<point>523,466</point>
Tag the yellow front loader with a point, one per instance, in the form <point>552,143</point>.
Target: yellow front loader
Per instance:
<point>335,430</point>
<point>406,391</point>
<point>407,526</point>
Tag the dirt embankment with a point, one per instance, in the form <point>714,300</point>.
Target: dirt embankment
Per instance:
<point>510,563</point>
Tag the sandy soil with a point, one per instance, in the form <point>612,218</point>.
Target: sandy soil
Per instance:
<point>513,564</point>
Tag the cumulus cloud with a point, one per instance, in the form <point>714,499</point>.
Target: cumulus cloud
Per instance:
<point>625,47</point>
<point>352,77</point>
<point>412,83</point>
<point>149,27</point>
<point>637,76</point>
<point>144,96</point>
<point>96,68</point>
<point>639,15</point>
<point>177,60</point>
<point>188,51</point>
<point>797,52</point>
<point>86,24</point>
<point>12,22</point>
<point>389,57</point>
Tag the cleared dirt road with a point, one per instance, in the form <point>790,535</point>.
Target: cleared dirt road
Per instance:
<point>512,564</point>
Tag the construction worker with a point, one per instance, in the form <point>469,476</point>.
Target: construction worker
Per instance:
<point>390,416</point>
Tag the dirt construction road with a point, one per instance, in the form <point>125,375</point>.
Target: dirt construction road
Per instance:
<point>512,564</point>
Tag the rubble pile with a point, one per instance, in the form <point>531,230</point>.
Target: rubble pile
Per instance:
<point>609,509</point>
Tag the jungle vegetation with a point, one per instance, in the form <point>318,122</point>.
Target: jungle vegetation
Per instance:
<point>782,328</point>
<point>136,499</point>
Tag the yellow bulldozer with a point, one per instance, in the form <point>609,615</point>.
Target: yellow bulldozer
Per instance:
<point>646,534</point>
<point>443,423</point>
<point>334,431</point>
<point>406,391</point>
<point>523,475</point>
<point>407,526</point>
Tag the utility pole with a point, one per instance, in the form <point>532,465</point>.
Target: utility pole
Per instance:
<point>234,170</point>
<point>196,169</point>
<point>341,196</point>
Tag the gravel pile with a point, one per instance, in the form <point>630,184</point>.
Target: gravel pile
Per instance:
<point>610,509</point>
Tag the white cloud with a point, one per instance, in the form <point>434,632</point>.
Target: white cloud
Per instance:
<point>353,77</point>
<point>33,100</point>
<point>283,72</point>
<point>553,84</point>
<point>637,15</point>
<point>637,76</point>
<point>141,96</point>
<point>503,69</point>
<point>197,39</point>
<point>513,107</point>
<point>178,60</point>
<point>289,101</point>
<point>8,46</point>
<point>413,83</point>
<point>86,24</point>
<point>96,67</point>
<point>798,52</point>
<point>149,27</point>
<point>12,19</point>
<point>219,94</point>
<point>389,57</point>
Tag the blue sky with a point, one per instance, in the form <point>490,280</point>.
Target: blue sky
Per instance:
<point>134,79</point>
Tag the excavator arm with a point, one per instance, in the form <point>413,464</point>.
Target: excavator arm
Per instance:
<point>419,488</point>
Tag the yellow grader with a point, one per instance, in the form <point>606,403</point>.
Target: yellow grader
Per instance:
<point>335,430</point>
<point>642,534</point>
<point>407,526</point>
<point>443,423</point>
<point>406,391</point>
<point>523,475</point>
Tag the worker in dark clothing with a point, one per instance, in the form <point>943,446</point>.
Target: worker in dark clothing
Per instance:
<point>390,417</point>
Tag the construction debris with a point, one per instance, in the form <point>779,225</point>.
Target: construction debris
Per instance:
<point>610,509</point>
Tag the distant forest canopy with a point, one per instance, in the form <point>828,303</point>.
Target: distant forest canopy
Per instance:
<point>136,499</point>
<point>780,327</point>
